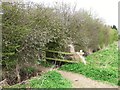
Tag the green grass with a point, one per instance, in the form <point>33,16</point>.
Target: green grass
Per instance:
<point>51,79</point>
<point>101,65</point>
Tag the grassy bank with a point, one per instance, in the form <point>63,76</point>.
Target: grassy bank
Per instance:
<point>101,65</point>
<point>51,79</point>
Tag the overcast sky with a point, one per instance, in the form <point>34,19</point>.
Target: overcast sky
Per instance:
<point>105,9</point>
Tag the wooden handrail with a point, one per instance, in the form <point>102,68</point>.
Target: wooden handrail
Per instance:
<point>67,53</point>
<point>63,60</point>
<point>59,52</point>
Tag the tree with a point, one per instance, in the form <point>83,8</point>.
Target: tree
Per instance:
<point>114,27</point>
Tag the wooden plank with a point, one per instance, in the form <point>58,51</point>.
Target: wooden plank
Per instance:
<point>63,60</point>
<point>67,53</point>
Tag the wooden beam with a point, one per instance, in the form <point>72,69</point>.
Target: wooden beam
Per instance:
<point>63,60</point>
<point>67,53</point>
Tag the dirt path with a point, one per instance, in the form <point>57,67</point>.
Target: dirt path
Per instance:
<point>80,81</point>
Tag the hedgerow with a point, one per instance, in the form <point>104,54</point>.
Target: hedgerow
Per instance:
<point>27,28</point>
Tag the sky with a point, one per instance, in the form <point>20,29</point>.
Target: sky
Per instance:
<point>107,10</point>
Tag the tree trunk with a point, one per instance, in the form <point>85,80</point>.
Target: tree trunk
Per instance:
<point>18,73</point>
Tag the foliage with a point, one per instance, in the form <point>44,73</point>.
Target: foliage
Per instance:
<point>45,63</point>
<point>113,34</point>
<point>51,79</point>
<point>27,28</point>
<point>114,27</point>
<point>119,37</point>
<point>12,33</point>
<point>87,32</point>
<point>119,64</point>
<point>27,70</point>
<point>101,65</point>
